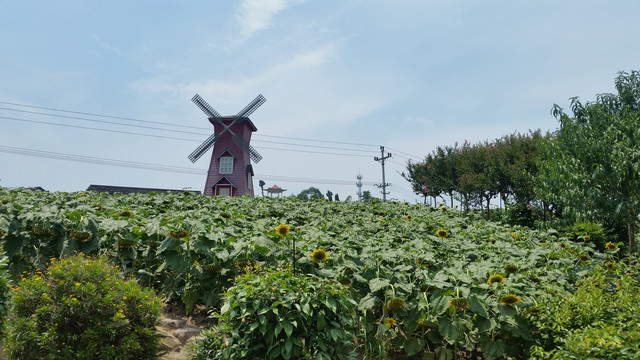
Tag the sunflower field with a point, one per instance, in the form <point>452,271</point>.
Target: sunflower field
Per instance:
<point>426,283</point>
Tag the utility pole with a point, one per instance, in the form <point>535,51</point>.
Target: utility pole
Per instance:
<point>384,184</point>
<point>359,185</point>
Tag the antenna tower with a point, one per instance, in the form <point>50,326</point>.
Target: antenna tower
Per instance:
<point>359,185</point>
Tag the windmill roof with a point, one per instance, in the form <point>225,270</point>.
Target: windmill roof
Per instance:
<point>227,119</point>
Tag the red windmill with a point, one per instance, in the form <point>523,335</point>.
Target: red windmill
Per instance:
<point>230,172</point>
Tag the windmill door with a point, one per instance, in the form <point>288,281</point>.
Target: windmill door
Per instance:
<point>224,191</point>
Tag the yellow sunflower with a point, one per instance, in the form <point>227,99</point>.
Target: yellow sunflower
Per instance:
<point>459,304</point>
<point>497,278</point>
<point>319,256</point>
<point>442,233</point>
<point>586,238</point>
<point>510,299</point>
<point>282,230</point>
<point>395,304</point>
<point>409,217</point>
<point>611,246</point>
<point>390,322</point>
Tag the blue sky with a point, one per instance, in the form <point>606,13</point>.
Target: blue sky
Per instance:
<point>352,74</point>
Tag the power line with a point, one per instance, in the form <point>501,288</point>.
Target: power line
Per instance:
<point>154,122</point>
<point>156,167</point>
<point>177,138</point>
<point>398,151</point>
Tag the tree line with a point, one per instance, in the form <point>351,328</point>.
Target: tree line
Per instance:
<point>586,170</point>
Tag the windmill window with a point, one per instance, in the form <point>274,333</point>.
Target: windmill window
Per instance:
<point>249,181</point>
<point>226,165</point>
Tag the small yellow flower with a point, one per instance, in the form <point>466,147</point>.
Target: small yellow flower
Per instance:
<point>611,246</point>
<point>390,322</point>
<point>514,236</point>
<point>586,238</point>
<point>282,230</point>
<point>409,217</point>
<point>442,233</point>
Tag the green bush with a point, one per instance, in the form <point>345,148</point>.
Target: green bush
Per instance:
<point>81,308</point>
<point>598,321</point>
<point>4,289</point>
<point>279,315</point>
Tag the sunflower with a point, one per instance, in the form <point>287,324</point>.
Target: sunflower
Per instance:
<point>497,278</point>
<point>586,238</point>
<point>583,257</point>
<point>409,217</point>
<point>390,322</point>
<point>442,233</point>
<point>282,230</point>
<point>510,300</point>
<point>611,246</point>
<point>395,304</point>
<point>514,236</point>
<point>444,209</point>
<point>510,268</point>
<point>611,265</point>
<point>319,256</point>
<point>460,304</point>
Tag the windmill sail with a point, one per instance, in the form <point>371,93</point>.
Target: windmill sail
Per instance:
<point>206,145</point>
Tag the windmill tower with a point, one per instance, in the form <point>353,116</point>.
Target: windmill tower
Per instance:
<point>230,171</point>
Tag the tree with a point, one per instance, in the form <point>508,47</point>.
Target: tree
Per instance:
<point>592,168</point>
<point>310,193</point>
<point>329,195</point>
<point>336,197</point>
<point>262,184</point>
<point>366,196</point>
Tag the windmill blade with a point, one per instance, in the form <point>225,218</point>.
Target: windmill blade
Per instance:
<point>206,145</point>
<point>206,108</point>
<point>253,106</point>
<point>253,153</point>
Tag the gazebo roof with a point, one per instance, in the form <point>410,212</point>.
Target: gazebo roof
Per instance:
<point>275,189</point>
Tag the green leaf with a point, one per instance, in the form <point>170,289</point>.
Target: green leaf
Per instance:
<point>367,302</point>
<point>491,349</point>
<point>449,329</point>
<point>321,322</point>
<point>413,346</point>
<point>378,284</point>
<point>288,328</point>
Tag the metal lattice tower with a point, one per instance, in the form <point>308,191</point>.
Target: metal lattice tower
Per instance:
<point>359,185</point>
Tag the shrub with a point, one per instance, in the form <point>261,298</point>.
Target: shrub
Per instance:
<point>81,308</point>
<point>279,315</point>
<point>598,321</point>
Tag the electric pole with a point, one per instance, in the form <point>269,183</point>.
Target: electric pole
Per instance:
<point>384,184</point>
<point>359,185</point>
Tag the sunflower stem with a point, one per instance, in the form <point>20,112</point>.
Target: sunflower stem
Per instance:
<point>294,255</point>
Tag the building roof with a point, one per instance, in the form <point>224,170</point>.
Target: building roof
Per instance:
<point>275,189</point>
<point>111,189</point>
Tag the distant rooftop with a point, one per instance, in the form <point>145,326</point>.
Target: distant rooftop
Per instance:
<point>133,190</point>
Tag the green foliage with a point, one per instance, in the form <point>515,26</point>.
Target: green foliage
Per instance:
<point>310,193</point>
<point>4,288</point>
<point>279,315</point>
<point>477,173</point>
<point>592,168</point>
<point>597,321</point>
<point>81,308</point>
<point>190,248</point>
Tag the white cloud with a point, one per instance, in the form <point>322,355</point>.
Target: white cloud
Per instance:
<point>257,15</point>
